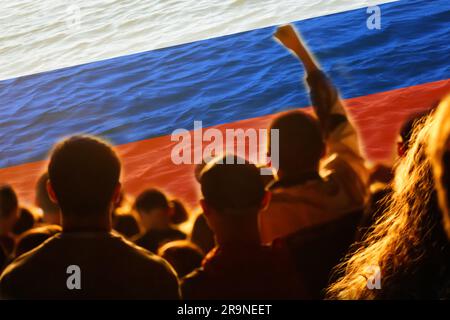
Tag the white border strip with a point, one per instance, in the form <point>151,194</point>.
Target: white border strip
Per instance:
<point>45,35</point>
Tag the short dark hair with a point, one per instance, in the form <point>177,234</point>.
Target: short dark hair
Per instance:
<point>408,127</point>
<point>84,172</point>
<point>43,200</point>
<point>183,255</point>
<point>180,213</point>
<point>8,201</point>
<point>151,199</point>
<point>301,141</point>
<point>232,184</point>
<point>25,221</point>
<point>126,224</point>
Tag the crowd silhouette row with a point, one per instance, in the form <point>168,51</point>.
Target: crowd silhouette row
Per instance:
<point>324,226</point>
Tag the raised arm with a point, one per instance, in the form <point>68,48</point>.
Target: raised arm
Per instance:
<point>340,135</point>
<point>289,38</point>
<point>324,96</point>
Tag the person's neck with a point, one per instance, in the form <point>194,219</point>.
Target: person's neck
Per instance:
<point>73,223</point>
<point>52,218</point>
<point>239,237</point>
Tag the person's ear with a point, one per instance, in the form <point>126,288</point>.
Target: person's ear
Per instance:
<point>51,192</point>
<point>170,211</point>
<point>116,195</point>
<point>323,153</point>
<point>266,200</point>
<point>209,215</point>
<point>205,207</point>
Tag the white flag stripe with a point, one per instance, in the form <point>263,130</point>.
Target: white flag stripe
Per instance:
<point>44,35</point>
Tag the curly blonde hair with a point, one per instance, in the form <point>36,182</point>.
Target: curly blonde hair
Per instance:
<point>439,152</point>
<point>404,238</point>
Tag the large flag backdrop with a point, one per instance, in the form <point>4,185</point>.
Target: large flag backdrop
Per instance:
<point>132,73</point>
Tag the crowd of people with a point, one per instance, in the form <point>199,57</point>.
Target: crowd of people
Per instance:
<point>325,226</point>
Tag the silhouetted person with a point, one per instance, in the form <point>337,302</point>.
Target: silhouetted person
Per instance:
<point>183,255</point>
<point>25,221</point>
<point>9,213</point>
<point>321,175</point>
<point>179,212</point>
<point>126,224</point>
<point>35,237</point>
<point>239,267</point>
<point>439,150</point>
<point>50,210</point>
<point>380,192</point>
<point>407,252</point>
<point>86,260</point>
<point>202,235</point>
<point>155,212</point>
<point>124,221</point>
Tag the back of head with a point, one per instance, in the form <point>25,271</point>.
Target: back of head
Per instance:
<point>180,214</point>
<point>8,201</point>
<point>154,210</point>
<point>84,173</point>
<point>43,200</point>
<point>183,255</point>
<point>151,199</point>
<point>232,185</point>
<point>126,224</point>
<point>439,151</point>
<point>25,221</point>
<point>300,141</point>
<point>407,236</point>
<point>408,127</point>
<point>35,237</point>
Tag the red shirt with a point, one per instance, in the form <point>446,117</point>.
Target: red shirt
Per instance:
<point>243,272</point>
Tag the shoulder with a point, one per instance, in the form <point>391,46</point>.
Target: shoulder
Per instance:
<point>179,234</point>
<point>24,268</point>
<point>139,238</point>
<point>144,259</point>
<point>288,200</point>
<point>153,270</point>
<point>29,257</point>
<point>145,256</point>
<point>191,284</point>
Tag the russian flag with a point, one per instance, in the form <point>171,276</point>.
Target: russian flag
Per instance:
<point>134,72</point>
